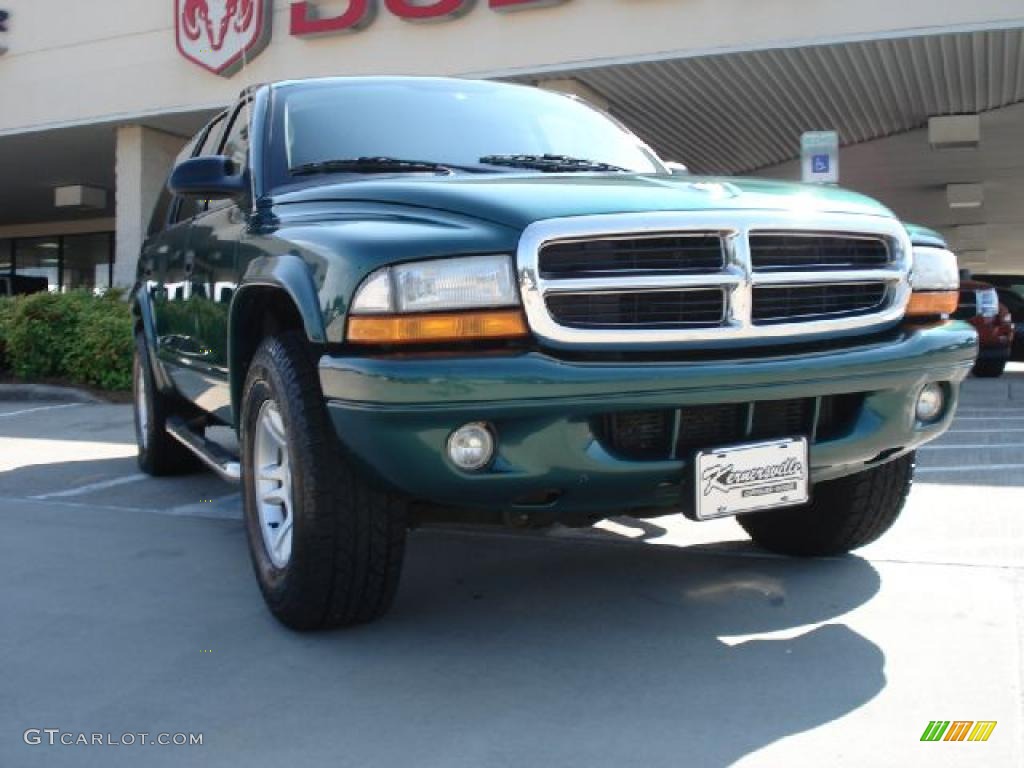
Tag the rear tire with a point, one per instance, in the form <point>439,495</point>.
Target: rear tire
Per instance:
<point>989,369</point>
<point>341,562</point>
<point>159,453</point>
<point>843,514</point>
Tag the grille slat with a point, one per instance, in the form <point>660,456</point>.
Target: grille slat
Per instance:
<point>650,309</point>
<point>678,254</point>
<point>785,252</point>
<point>783,304</point>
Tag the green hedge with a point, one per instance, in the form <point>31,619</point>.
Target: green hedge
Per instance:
<point>78,337</point>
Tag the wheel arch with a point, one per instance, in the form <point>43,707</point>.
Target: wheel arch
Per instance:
<point>145,323</point>
<point>276,295</point>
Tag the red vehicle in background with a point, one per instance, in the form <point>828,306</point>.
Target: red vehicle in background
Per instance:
<point>979,305</point>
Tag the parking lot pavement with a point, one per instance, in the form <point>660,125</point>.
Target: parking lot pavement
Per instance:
<point>128,605</point>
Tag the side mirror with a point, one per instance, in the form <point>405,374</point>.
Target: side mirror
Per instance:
<point>207,178</point>
<point>677,169</point>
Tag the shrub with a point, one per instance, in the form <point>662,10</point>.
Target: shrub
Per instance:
<point>42,329</point>
<point>6,314</point>
<point>75,336</point>
<point>101,354</point>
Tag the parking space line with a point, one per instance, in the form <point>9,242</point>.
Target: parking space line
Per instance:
<point>988,413</point>
<point>972,446</point>
<point>990,418</point>
<point>83,489</point>
<point>37,410</point>
<point>953,430</point>
<point>971,468</point>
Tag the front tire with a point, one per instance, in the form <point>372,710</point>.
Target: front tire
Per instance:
<point>843,514</point>
<point>326,547</point>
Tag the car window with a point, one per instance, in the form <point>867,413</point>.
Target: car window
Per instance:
<point>207,141</point>
<point>235,146</point>
<point>236,143</point>
<point>158,222</point>
<point>212,136</point>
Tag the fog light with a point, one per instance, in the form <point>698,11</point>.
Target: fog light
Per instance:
<point>930,403</point>
<point>471,446</point>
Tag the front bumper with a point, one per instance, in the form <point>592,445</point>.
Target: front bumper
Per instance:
<point>394,416</point>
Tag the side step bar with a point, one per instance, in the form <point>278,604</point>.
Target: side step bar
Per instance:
<point>211,454</point>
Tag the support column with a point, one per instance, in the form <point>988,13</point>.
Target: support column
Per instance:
<point>143,159</point>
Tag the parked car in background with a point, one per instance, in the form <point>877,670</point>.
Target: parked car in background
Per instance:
<point>979,305</point>
<point>1011,293</point>
<point>19,285</point>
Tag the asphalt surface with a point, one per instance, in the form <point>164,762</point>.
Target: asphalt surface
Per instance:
<point>127,605</point>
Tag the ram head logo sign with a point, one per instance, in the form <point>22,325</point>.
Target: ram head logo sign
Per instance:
<point>222,35</point>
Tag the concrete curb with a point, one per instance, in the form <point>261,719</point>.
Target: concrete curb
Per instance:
<point>46,393</point>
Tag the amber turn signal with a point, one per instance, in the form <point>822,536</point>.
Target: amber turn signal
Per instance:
<point>932,303</point>
<point>439,327</point>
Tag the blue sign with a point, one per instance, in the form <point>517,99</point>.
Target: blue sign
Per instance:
<point>4,16</point>
<point>819,157</point>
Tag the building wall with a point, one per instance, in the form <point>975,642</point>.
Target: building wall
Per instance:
<point>72,61</point>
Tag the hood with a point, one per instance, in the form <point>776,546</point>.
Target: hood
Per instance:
<point>519,200</point>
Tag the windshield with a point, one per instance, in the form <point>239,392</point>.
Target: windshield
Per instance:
<point>450,122</point>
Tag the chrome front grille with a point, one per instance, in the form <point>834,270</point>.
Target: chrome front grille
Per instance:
<point>712,278</point>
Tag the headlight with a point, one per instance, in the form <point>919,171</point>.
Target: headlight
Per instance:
<point>935,280</point>
<point>439,285</point>
<point>456,299</point>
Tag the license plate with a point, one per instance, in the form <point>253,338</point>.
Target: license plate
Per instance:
<point>756,476</point>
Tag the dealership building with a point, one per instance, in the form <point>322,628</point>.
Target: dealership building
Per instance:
<point>927,97</point>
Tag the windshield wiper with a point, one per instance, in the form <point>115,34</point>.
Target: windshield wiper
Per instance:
<point>550,163</point>
<point>370,165</point>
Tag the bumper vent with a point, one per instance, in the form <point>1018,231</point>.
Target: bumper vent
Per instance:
<point>663,435</point>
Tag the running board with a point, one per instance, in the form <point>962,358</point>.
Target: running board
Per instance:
<point>210,453</point>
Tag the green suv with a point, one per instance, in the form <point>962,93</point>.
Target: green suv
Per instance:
<point>434,299</point>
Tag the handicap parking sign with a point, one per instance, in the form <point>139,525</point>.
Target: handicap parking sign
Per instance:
<point>819,152</point>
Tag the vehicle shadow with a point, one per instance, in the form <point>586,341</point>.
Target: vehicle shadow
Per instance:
<point>572,653</point>
<point>501,649</point>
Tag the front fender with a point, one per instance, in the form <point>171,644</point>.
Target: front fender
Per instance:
<point>288,274</point>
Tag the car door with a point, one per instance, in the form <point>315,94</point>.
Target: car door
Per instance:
<point>178,344</point>
<point>212,249</point>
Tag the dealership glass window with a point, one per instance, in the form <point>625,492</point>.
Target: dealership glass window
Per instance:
<point>87,262</point>
<point>60,263</point>
<point>38,257</point>
<point>6,257</point>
